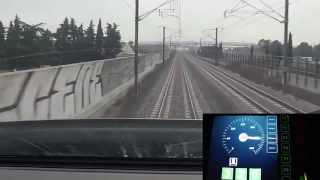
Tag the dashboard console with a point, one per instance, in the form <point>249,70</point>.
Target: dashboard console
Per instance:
<point>259,147</point>
<point>96,149</point>
<point>223,146</point>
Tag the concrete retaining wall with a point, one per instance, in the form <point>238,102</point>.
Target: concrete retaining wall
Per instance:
<point>76,90</point>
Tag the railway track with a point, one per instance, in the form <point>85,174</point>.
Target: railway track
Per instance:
<point>257,100</point>
<point>163,103</point>
<point>191,107</point>
<point>190,98</point>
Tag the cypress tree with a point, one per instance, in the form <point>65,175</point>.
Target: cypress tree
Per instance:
<point>99,37</point>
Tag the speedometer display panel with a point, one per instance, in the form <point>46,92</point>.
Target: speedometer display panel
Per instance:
<point>243,135</point>
<point>244,147</point>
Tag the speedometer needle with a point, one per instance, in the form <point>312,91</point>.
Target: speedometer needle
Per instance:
<point>254,137</point>
<point>243,137</point>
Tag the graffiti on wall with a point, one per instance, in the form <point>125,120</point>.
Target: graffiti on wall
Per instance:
<point>50,94</point>
<point>126,67</point>
<point>62,92</point>
<point>128,72</point>
<point>115,73</point>
<point>151,60</point>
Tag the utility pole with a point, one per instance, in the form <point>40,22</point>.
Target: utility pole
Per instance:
<point>216,54</point>
<point>200,45</point>
<point>163,43</point>
<point>285,49</point>
<point>196,48</point>
<point>136,56</point>
<point>136,49</point>
<point>216,48</point>
<point>170,44</point>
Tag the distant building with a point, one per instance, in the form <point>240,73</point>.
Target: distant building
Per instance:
<point>127,49</point>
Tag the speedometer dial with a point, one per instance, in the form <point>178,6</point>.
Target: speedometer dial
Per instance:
<point>243,135</point>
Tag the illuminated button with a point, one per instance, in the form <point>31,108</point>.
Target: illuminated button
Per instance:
<point>285,137</point>
<point>272,148</point>
<point>286,178</point>
<point>227,174</point>
<point>284,127</point>
<point>284,118</point>
<point>254,174</point>
<point>272,138</point>
<point>286,170</point>
<point>285,148</point>
<point>241,174</point>
<point>286,158</point>
<point>272,128</point>
<point>272,119</point>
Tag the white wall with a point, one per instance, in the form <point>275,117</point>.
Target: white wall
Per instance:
<point>65,91</point>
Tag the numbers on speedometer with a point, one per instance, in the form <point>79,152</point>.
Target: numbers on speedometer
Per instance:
<point>243,135</point>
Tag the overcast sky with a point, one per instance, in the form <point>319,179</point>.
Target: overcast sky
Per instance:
<point>196,15</point>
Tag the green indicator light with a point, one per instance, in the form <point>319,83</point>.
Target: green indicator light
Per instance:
<point>305,176</point>
<point>254,174</point>
<point>227,174</point>
<point>241,174</point>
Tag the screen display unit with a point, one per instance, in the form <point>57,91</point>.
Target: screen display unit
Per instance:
<point>243,147</point>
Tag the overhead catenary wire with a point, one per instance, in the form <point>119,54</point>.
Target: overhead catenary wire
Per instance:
<point>143,16</point>
<point>138,18</point>
<point>236,5</point>
<point>260,17</point>
<point>221,18</point>
<point>128,4</point>
<point>145,21</point>
<point>261,11</point>
<point>237,8</point>
<point>271,9</point>
<point>241,7</point>
<point>255,13</point>
<point>252,15</point>
<point>175,6</point>
<point>176,13</point>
